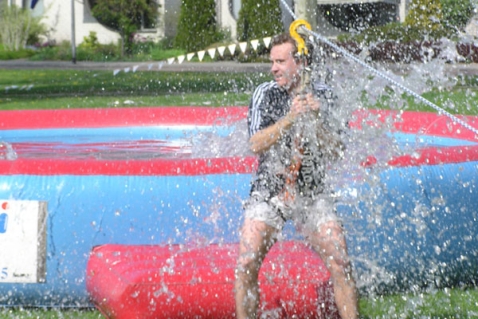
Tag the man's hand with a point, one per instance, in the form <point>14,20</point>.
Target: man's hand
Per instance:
<point>264,139</point>
<point>302,104</point>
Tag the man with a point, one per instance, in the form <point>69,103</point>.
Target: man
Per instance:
<point>289,184</point>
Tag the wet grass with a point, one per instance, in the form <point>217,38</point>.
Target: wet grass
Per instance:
<point>59,89</point>
<point>458,100</point>
<point>440,304</point>
<point>16,313</point>
<point>62,102</point>
<point>46,89</point>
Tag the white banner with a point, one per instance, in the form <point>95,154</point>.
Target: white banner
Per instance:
<point>243,46</point>
<point>181,58</point>
<point>255,44</point>
<point>189,56</point>
<point>201,55</point>
<point>23,241</point>
<point>232,48</point>
<point>221,50</point>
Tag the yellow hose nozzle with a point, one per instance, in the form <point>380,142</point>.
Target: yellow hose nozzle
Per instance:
<point>293,30</point>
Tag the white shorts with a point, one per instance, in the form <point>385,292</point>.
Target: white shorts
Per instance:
<point>307,217</point>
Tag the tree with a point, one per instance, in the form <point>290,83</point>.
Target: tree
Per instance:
<point>16,23</point>
<point>456,13</point>
<point>425,15</point>
<point>125,16</point>
<point>258,19</point>
<point>197,26</point>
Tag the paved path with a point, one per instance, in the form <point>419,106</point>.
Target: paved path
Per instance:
<point>228,66</point>
<point>222,66</point>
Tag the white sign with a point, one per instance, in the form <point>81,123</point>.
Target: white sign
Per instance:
<point>22,241</point>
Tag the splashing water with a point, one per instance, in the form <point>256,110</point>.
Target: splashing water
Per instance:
<point>357,88</point>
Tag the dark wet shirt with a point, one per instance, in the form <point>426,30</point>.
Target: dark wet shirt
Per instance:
<point>270,103</point>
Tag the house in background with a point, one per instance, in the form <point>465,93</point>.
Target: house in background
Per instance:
<point>57,16</point>
<point>329,17</point>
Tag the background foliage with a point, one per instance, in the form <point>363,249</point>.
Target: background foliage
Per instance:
<point>456,13</point>
<point>259,19</point>
<point>18,27</point>
<point>197,27</point>
<point>125,16</point>
<point>425,15</point>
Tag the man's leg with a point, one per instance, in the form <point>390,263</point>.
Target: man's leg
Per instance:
<point>329,243</point>
<point>256,239</point>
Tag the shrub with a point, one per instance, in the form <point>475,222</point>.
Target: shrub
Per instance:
<point>124,16</point>
<point>197,26</point>
<point>394,31</point>
<point>12,55</point>
<point>84,52</point>
<point>456,13</point>
<point>18,27</point>
<point>425,15</point>
<point>91,41</point>
<point>258,19</point>
<point>38,30</point>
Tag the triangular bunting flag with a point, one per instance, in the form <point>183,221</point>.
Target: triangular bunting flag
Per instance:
<point>212,52</point>
<point>116,71</point>
<point>221,50</point>
<point>267,41</point>
<point>171,60</point>
<point>189,56</point>
<point>254,44</point>
<point>232,48</point>
<point>243,46</point>
<point>135,68</point>
<point>126,70</point>
<point>181,59</point>
<point>201,55</point>
<point>160,65</point>
<point>150,66</point>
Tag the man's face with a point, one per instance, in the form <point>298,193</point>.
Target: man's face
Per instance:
<point>284,68</point>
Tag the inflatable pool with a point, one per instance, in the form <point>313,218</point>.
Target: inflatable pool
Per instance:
<point>121,179</point>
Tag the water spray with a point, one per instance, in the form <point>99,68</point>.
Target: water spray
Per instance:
<point>380,74</point>
<point>302,51</point>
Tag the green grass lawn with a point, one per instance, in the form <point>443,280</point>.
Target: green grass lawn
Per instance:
<point>51,89</point>
<point>441,304</point>
<point>60,89</point>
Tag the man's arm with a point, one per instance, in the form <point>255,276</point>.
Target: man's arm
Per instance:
<point>265,138</point>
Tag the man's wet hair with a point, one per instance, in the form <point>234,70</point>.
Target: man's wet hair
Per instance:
<point>287,38</point>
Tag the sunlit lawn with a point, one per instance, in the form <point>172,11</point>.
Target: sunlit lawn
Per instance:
<point>190,99</point>
<point>61,89</point>
<point>45,89</point>
<point>441,304</point>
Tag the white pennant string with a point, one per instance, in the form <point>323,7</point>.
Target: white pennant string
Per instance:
<point>201,55</point>
<point>243,46</point>
<point>232,48</point>
<point>221,50</point>
<point>254,44</point>
<point>212,52</point>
